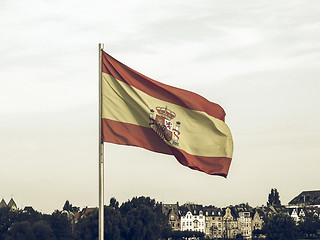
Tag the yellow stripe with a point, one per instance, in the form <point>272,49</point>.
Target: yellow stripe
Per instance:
<point>200,133</point>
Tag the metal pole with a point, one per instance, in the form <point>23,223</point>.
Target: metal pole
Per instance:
<point>101,153</point>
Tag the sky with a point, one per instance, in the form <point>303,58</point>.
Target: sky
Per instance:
<point>259,60</point>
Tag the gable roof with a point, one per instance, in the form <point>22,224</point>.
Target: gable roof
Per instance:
<point>3,203</point>
<point>212,211</point>
<point>12,204</point>
<point>195,209</point>
<point>166,208</point>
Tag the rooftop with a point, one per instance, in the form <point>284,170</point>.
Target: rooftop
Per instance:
<point>307,197</point>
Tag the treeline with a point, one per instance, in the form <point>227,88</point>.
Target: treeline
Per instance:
<point>282,226</point>
<point>32,225</point>
<point>140,218</point>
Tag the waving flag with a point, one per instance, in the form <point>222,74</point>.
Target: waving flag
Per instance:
<point>142,112</point>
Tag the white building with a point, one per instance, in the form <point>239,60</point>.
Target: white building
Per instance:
<point>244,224</point>
<point>193,222</point>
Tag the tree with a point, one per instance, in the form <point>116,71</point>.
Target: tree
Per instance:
<point>42,231</point>
<point>87,227</point>
<point>280,227</point>
<point>143,219</point>
<point>140,218</point>
<point>114,203</point>
<point>309,226</point>
<point>60,225</point>
<point>113,224</point>
<point>7,218</point>
<point>21,231</point>
<point>274,198</point>
<point>257,234</point>
<point>68,207</point>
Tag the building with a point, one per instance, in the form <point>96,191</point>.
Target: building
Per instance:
<point>230,224</point>
<point>12,205</point>
<point>297,214</point>
<point>172,212</point>
<point>28,209</point>
<point>3,203</point>
<point>192,218</point>
<point>257,220</point>
<point>306,199</point>
<point>213,221</point>
<point>244,222</point>
<point>174,219</point>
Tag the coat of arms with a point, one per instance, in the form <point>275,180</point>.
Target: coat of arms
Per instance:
<point>162,123</point>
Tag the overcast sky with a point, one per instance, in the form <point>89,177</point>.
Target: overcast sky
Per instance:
<point>260,60</point>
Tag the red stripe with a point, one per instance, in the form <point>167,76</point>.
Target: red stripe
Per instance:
<point>133,135</point>
<point>210,165</point>
<point>159,90</point>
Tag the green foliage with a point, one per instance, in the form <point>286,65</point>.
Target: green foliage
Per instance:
<point>60,225</point>
<point>280,227</point>
<point>274,198</point>
<point>87,227</point>
<point>143,219</point>
<point>68,207</point>
<point>43,231</point>
<point>257,233</point>
<point>7,218</point>
<point>309,226</point>
<point>21,231</point>
<point>140,218</point>
<point>114,203</point>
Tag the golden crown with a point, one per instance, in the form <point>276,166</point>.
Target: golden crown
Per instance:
<point>166,113</point>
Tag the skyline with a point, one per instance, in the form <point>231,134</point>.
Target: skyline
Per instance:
<point>258,60</point>
<point>12,204</point>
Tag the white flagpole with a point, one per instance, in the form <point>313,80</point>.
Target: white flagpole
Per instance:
<point>101,153</point>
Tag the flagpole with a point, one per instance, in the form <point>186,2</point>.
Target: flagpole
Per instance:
<point>101,153</point>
